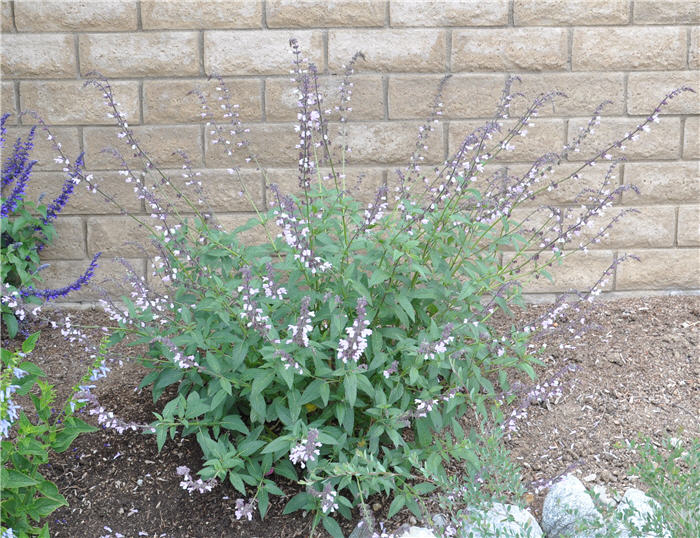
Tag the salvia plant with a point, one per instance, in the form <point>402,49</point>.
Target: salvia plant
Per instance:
<point>27,227</point>
<point>26,497</point>
<point>342,352</point>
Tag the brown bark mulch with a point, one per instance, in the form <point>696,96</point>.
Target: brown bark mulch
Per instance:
<point>639,373</point>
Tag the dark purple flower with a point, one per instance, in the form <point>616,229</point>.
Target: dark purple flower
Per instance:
<point>50,294</point>
<point>59,203</point>
<point>17,168</point>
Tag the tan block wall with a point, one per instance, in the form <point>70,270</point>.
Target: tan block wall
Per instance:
<point>156,51</point>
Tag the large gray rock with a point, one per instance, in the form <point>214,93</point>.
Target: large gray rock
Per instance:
<point>501,520</point>
<point>567,509</point>
<point>640,508</point>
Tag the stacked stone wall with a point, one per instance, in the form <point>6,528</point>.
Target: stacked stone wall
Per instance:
<point>155,52</point>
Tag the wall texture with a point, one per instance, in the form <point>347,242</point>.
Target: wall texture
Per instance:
<point>154,52</point>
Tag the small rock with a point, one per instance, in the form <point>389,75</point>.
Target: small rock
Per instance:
<point>364,529</point>
<point>606,476</point>
<point>603,497</point>
<point>566,507</point>
<point>501,520</point>
<point>377,507</point>
<point>412,520</point>
<point>642,508</point>
<point>418,532</point>
<point>439,520</point>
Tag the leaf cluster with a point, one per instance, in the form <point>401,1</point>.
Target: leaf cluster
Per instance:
<point>26,496</point>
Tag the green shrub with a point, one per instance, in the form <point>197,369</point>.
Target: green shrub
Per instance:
<point>342,353</point>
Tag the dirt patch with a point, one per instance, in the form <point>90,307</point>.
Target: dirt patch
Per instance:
<point>638,374</point>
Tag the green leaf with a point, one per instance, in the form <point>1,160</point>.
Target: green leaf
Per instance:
<point>44,506</point>
<point>49,489</point>
<point>424,488</point>
<point>325,391</point>
<point>525,367</point>
<point>364,292</point>
<point>195,406</point>
<point>14,479</point>
<point>412,505</point>
<point>397,504</point>
<point>312,391</point>
<point>378,276</point>
<point>258,408</point>
<point>30,342</point>
<point>161,436</point>
<point>350,384</point>
<point>74,427</point>
<point>286,469</point>
<point>234,422</point>
<point>407,306</point>
<point>218,398</point>
<point>236,481</point>
<point>239,354</point>
<point>331,525</point>
<point>226,385</point>
<point>423,430</point>
<point>299,501</point>
<point>11,324</point>
<point>277,445</point>
<point>263,502</point>
<point>167,377</point>
<point>44,533</point>
<point>261,382</point>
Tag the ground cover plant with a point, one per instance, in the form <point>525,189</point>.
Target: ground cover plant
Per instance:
<point>27,497</point>
<point>672,473</point>
<point>340,354</point>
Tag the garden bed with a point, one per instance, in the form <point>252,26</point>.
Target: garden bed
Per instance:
<point>638,374</point>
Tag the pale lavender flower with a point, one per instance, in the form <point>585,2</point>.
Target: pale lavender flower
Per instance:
<point>251,308</point>
<point>269,285</point>
<point>328,499</point>
<point>423,407</point>
<point>391,370</point>
<point>295,232</point>
<point>288,361</point>
<point>191,485</point>
<point>430,350</point>
<point>375,210</point>
<point>105,418</point>
<point>356,343</point>
<point>300,331</point>
<point>244,509</point>
<point>183,362</point>
<point>307,450</point>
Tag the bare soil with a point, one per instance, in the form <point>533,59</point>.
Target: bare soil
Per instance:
<point>638,374</point>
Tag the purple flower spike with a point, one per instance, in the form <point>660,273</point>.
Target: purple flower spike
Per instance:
<point>50,295</point>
